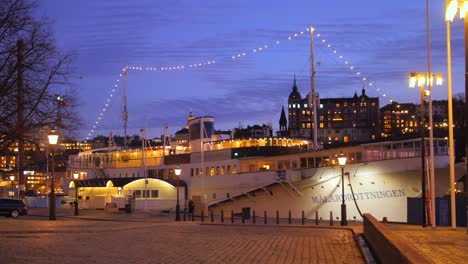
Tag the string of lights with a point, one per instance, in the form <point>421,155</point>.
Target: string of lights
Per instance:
<point>346,62</point>
<point>356,73</point>
<point>105,106</point>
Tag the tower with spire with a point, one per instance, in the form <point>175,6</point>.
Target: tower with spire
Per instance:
<point>283,123</point>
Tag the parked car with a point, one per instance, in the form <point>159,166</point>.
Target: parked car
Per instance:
<point>12,207</point>
<point>32,193</point>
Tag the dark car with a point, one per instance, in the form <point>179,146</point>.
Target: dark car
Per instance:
<point>12,207</point>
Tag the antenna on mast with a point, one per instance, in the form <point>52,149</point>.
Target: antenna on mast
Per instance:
<point>124,112</point>
<point>314,96</point>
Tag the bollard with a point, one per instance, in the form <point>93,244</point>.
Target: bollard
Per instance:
<point>212,216</point>
<point>243,218</point>
<point>303,218</point>
<point>265,217</point>
<point>253,217</point>
<point>277,217</point>
<point>331,218</point>
<point>202,216</point>
<point>232,217</point>
<point>222,216</point>
<point>289,217</point>
<point>316,218</point>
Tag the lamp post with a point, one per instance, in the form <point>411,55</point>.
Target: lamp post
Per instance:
<point>421,80</point>
<point>342,162</point>
<point>450,11</point>
<point>53,138</point>
<point>17,164</point>
<point>76,175</point>
<point>177,173</point>
<point>12,179</point>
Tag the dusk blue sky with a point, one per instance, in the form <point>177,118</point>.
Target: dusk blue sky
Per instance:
<point>384,40</point>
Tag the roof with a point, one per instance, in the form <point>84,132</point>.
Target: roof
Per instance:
<point>121,182</point>
<point>295,95</point>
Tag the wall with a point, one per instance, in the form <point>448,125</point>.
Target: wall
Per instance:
<point>386,247</point>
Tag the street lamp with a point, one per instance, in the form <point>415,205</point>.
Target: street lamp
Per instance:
<point>17,164</point>
<point>421,79</point>
<point>450,11</point>
<point>12,179</point>
<point>177,173</point>
<point>53,138</point>
<point>76,175</point>
<point>342,162</point>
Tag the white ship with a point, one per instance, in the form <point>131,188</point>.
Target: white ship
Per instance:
<point>261,174</point>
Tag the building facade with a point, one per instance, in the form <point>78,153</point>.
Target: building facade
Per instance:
<point>399,120</point>
<point>340,120</point>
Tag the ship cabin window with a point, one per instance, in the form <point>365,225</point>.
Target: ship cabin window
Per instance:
<point>207,171</point>
<point>146,193</point>
<point>197,171</point>
<point>218,171</point>
<point>228,169</point>
<point>222,170</point>
<point>294,164</point>
<point>283,164</point>
<point>154,194</point>
<point>358,156</point>
<point>192,171</point>
<point>234,169</point>
<point>319,161</point>
<point>303,162</point>
<point>137,194</point>
<point>311,162</point>
<point>212,171</point>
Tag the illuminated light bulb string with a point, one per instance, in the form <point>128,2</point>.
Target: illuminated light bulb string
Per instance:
<point>351,68</point>
<point>105,107</point>
<point>233,57</point>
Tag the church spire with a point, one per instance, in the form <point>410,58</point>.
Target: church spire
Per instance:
<point>294,85</point>
<point>283,122</point>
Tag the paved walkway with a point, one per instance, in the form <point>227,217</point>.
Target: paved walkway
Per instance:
<point>441,245</point>
<point>155,239</point>
<point>98,237</point>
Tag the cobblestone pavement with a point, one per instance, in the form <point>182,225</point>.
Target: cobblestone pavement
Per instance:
<point>441,245</point>
<point>32,240</point>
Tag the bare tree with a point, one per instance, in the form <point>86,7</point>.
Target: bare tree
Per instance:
<point>32,70</point>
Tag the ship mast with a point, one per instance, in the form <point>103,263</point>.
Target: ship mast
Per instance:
<point>124,112</point>
<point>313,92</point>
